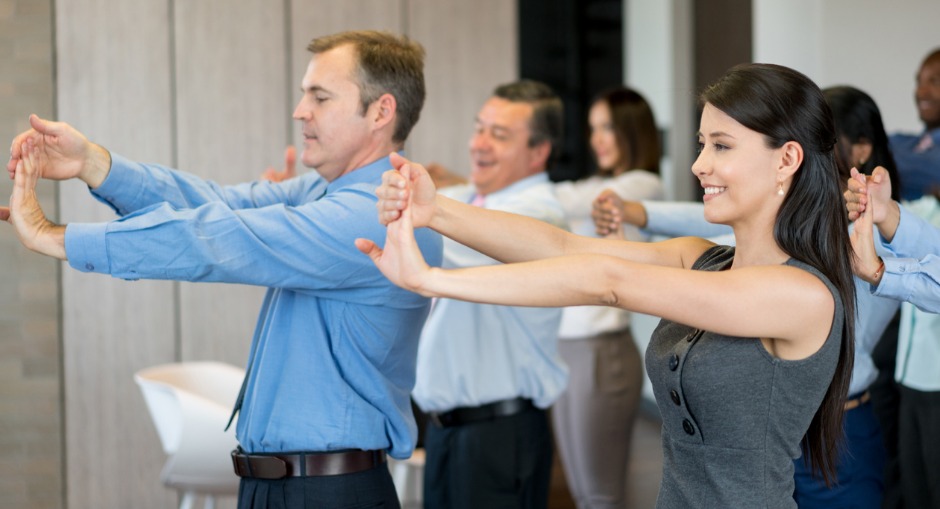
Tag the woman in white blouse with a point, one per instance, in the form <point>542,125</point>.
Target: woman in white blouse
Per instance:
<point>593,419</point>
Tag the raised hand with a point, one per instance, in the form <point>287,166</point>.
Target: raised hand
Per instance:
<point>861,189</point>
<point>409,181</point>
<point>401,261</point>
<point>608,214</point>
<point>29,222</point>
<point>866,264</point>
<point>290,167</point>
<point>66,152</point>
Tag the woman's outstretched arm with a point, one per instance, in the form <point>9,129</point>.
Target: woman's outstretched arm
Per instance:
<point>500,235</point>
<point>777,301</point>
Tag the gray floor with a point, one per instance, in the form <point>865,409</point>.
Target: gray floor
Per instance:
<point>646,463</point>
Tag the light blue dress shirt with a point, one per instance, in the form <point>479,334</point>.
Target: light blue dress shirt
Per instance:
<point>472,354</point>
<point>872,313</point>
<point>333,353</point>
<point>912,269</point>
<point>914,277</point>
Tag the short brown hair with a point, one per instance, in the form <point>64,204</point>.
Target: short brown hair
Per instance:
<point>548,112</point>
<point>387,64</point>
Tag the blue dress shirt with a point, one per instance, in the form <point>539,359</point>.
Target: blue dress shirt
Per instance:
<point>872,313</point>
<point>918,166</point>
<point>333,353</point>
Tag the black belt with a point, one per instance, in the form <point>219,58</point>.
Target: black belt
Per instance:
<point>308,464</point>
<point>466,415</point>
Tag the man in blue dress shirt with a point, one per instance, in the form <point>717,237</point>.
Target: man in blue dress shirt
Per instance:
<point>918,156</point>
<point>333,355</point>
<point>487,373</point>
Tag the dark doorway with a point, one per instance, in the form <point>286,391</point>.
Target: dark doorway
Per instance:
<point>576,47</point>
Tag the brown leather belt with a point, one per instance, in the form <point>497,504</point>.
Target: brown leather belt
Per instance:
<point>307,464</point>
<point>857,402</point>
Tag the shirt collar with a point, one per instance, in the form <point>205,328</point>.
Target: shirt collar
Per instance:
<point>519,185</point>
<point>371,172</point>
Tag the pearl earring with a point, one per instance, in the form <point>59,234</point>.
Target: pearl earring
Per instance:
<point>780,189</point>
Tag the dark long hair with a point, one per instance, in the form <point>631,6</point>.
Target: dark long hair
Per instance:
<point>858,120</point>
<point>811,226</point>
<point>634,129</point>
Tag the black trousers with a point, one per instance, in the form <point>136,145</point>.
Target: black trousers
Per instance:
<point>502,463</point>
<point>919,449</point>
<point>360,490</point>
<point>885,399</point>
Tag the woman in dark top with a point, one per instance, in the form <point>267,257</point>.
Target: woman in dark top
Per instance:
<point>754,352</point>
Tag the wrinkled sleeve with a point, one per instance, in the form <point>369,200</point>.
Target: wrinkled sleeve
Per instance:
<point>684,219</point>
<point>912,273</point>
<point>310,246</point>
<point>131,186</point>
<point>578,197</point>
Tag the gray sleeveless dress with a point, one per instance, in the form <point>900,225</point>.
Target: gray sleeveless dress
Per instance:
<point>733,415</point>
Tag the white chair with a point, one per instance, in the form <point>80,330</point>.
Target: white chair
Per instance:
<point>408,476</point>
<point>190,403</point>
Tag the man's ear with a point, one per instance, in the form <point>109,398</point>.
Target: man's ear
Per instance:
<point>383,111</point>
<point>540,155</point>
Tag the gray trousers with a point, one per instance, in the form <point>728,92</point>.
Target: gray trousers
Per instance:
<point>593,418</point>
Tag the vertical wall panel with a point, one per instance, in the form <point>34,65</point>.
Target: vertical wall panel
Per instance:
<point>31,416</point>
<point>232,121</point>
<point>471,48</point>
<point>113,84</point>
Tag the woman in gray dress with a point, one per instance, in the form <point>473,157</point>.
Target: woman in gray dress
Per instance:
<point>753,356</point>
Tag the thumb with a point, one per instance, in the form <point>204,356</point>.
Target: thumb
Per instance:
<point>405,171</point>
<point>879,175</point>
<point>43,126</point>
<point>369,248</point>
<point>4,213</point>
<point>290,160</point>
<point>397,160</point>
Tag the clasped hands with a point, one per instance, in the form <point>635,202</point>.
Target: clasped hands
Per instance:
<point>868,202</point>
<point>406,200</point>
<point>54,151</point>
<point>34,230</point>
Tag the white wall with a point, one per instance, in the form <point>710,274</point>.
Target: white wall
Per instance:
<point>873,45</point>
<point>657,54</point>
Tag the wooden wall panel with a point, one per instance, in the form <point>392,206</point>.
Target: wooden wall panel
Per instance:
<point>471,49</point>
<point>32,454</point>
<point>114,86</point>
<point>231,88</point>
